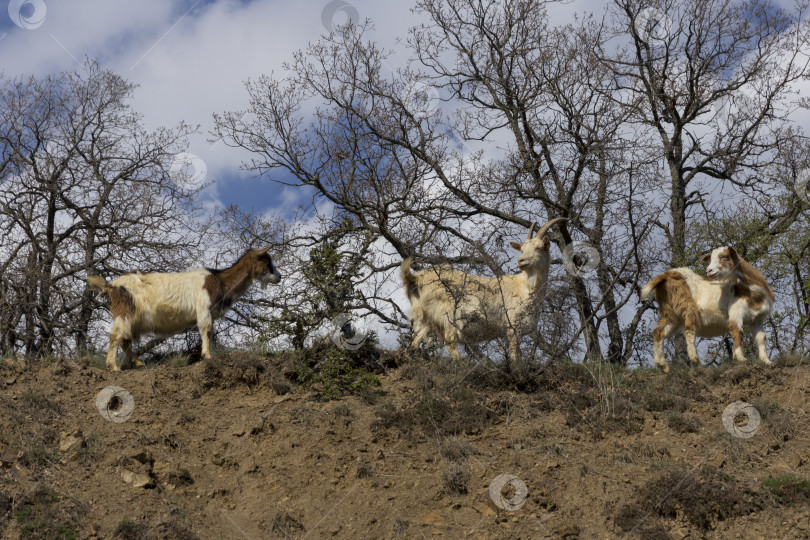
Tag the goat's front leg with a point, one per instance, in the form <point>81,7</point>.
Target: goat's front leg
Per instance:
<point>689,335</point>
<point>112,352</point>
<point>132,360</point>
<point>205,325</point>
<point>420,335</point>
<point>759,335</point>
<point>736,333</point>
<point>511,337</point>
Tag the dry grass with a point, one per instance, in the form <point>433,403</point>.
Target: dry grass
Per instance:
<point>701,499</point>
<point>456,480</point>
<point>684,422</point>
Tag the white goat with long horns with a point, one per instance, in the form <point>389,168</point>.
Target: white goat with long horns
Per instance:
<point>461,307</point>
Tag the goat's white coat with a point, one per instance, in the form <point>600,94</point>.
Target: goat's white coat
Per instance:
<point>457,306</point>
<point>164,303</point>
<point>168,303</point>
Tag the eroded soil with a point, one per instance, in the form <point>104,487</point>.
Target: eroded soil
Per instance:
<point>245,453</point>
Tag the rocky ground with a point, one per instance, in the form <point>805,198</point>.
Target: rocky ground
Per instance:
<point>240,448</point>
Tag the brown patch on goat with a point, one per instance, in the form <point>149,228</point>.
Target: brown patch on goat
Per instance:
<point>409,280</point>
<point>121,302</point>
<point>674,298</point>
<point>750,277</point>
<point>736,333</point>
<point>225,286</point>
<point>96,282</point>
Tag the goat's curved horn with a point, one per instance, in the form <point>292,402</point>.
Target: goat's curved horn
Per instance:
<point>544,229</point>
<point>531,230</point>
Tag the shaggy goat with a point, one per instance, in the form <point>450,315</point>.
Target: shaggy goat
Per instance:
<point>457,306</point>
<point>169,303</point>
<point>733,296</point>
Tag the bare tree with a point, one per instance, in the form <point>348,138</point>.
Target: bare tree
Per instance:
<point>708,85</point>
<point>501,118</point>
<point>384,153</point>
<point>84,187</point>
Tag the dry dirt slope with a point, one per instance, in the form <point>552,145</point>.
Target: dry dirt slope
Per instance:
<point>223,450</point>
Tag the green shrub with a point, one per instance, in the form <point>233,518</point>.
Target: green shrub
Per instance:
<point>44,514</point>
<point>789,488</point>
<point>335,372</point>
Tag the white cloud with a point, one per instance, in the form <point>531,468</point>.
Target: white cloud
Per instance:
<point>190,59</point>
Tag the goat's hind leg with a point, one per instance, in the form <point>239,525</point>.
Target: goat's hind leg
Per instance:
<point>661,333</point>
<point>689,335</point>
<point>120,333</point>
<point>759,336</point>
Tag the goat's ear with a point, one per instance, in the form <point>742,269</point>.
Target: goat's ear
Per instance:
<point>545,243</point>
<point>706,258</point>
<point>262,251</point>
<point>733,254</point>
<point>516,245</point>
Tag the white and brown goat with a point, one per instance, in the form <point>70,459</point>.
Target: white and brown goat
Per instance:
<point>734,295</point>
<point>460,307</point>
<point>168,303</point>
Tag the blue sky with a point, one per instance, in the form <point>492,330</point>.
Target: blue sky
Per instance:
<point>191,57</point>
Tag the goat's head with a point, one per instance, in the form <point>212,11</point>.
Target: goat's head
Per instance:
<point>263,270</point>
<point>534,251</point>
<point>723,262</point>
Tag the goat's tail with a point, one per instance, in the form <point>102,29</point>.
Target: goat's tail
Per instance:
<point>96,282</point>
<point>652,285</point>
<point>409,280</point>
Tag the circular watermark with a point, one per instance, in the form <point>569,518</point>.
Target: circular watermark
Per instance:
<point>27,14</point>
<point>653,24</point>
<point>347,332</point>
<point>508,492</point>
<point>115,404</point>
<point>188,171</point>
<point>420,99</point>
<point>733,420</point>
<point>581,259</point>
<point>802,180</point>
<point>337,15</point>
<point>741,105</point>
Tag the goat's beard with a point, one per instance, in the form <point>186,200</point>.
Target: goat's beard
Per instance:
<point>266,279</point>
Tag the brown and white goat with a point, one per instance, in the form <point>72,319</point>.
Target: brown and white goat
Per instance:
<point>734,295</point>
<point>165,304</point>
<point>456,306</point>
